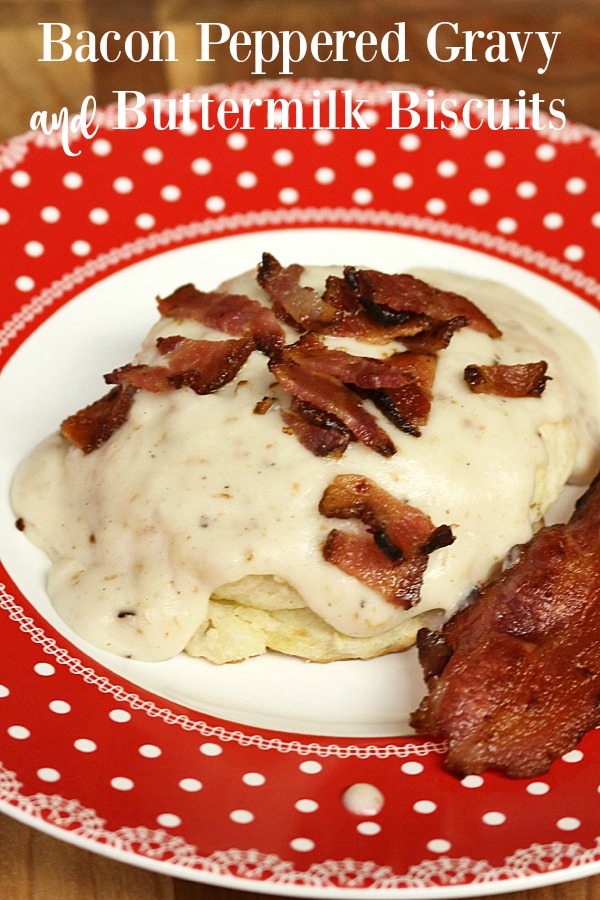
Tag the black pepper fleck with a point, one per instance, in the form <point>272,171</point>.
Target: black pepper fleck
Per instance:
<point>20,524</point>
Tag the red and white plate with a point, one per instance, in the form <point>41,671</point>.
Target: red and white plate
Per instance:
<point>235,775</point>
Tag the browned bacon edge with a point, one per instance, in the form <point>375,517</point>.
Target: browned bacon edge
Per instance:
<point>514,677</point>
<point>89,428</point>
<point>391,555</point>
<point>299,306</point>
<point>521,380</point>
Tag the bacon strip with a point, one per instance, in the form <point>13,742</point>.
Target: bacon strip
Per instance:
<point>332,397</point>
<point>92,426</point>
<point>391,556</point>
<point>398,298</point>
<point>319,432</point>
<point>234,314</point>
<point>514,677</point>
<point>359,556</point>
<point>403,526</point>
<point>408,406</point>
<point>437,337</point>
<point>522,380</point>
<point>300,306</point>
<point>203,366</point>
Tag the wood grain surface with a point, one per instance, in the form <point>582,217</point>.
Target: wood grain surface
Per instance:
<point>34,866</point>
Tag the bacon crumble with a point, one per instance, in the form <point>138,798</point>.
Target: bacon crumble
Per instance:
<point>521,380</point>
<point>92,426</point>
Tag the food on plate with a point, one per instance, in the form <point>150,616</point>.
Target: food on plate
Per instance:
<point>514,676</point>
<point>298,461</point>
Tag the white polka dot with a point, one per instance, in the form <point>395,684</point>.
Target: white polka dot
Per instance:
<point>493,818</point>
<point>24,283</point>
<point>494,159</point>
<point>447,168</point>
<point>526,189</point>
<point>4,691</point>
<point>18,732</point>
<point>44,669</point>
<point>241,816</point>
<point>123,185</point>
<point>99,216</point>
<point>283,157</point>
<point>573,756</point>
<point>153,156</point>
<point>150,751</point>
<point>209,749</point>
<point>596,220</point>
<point>472,781</point>
<point>171,193</point>
<point>80,248</point>
<point>288,195</point>
<point>436,206</point>
<point>189,127</point>
<point>119,715</point>
<point>538,788</point>
<point>145,221</point>
<point>306,806</point>
<point>237,141</point>
<point>553,221</point>
<point>247,179</point>
<point>323,137</point>
<point>459,130</point>
<point>48,774</point>
<point>362,196</point>
<point>20,178</point>
<point>60,707</point>
<point>370,116</point>
<point>363,799</point>
<point>201,166</point>
<point>425,807</point>
<point>545,152</point>
<point>34,248</point>
<point>72,180</point>
<point>215,203</point>
<point>84,745</point>
<point>302,845</point>
<point>507,225</point>
<point>310,767</point>
<point>4,216</point>
<point>324,175</point>
<point>50,214</point>
<point>479,196</point>
<point>410,142</point>
<point>253,779</point>
<point>101,147</point>
<point>574,253</point>
<point>439,845</point>
<point>368,828</point>
<point>576,185</point>
<point>402,181</point>
<point>168,820</point>
<point>412,768</point>
<point>122,784</point>
<point>365,158</point>
<point>191,785</point>
<point>568,823</point>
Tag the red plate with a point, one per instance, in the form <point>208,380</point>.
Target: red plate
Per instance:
<point>95,752</point>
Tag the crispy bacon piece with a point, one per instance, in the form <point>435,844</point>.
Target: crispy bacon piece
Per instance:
<point>352,319</point>
<point>319,432</point>
<point>398,298</point>
<point>203,366</point>
<point>234,314</point>
<point>331,396</point>
<point>300,306</point>
<point>408,406</point>
<point>358,556</point>
<point>437,337</point>
<point>522,380</point>
<point>391,556</point>
<point>91,427</point>
<point>514,677</point>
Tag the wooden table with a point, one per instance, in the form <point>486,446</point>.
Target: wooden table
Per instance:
<point>32,865</point>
